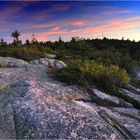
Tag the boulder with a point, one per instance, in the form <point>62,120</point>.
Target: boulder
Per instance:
<point>109,99</point>
<point>59,64</point>
<point>51,63</point>
<point>11,62</point>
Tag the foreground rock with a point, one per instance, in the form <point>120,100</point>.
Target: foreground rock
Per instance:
<point>34,106</point>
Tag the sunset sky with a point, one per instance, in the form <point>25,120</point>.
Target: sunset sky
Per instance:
<point>49,20</point>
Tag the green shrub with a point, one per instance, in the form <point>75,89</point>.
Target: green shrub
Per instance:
<point>71,75</point>
<point>88,73</point>
<point>25,53</point>
<point>113,77</point>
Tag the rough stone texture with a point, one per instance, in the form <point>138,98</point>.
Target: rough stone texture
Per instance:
<point>34,106</point>
<point>49,62</point>
<point>108,99</point>
<point>11,62</point>
<point>134,89</point>
<point>137,71</point>
<point>130,94</point>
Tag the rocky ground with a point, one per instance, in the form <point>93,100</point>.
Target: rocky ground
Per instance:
<point>33,105</point>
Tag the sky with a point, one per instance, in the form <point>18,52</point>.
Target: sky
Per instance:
<point>86,19</point>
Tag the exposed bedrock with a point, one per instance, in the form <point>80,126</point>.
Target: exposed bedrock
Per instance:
<point>34,106</point>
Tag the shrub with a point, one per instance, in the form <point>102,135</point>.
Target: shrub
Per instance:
<point>71,75</point>
<point>25,53</point>
<point>113,77</point>
<point>88,73</point>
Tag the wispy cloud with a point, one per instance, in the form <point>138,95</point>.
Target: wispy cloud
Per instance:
<point>43,36</point>
<point>78,23</point>
<point>111,25</point>
<point>12,9</point>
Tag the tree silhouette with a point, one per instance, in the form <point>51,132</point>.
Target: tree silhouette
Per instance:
<point>34,40</point>
<point>27,42</point>
<point>16,35</point>
<point>2,42</point>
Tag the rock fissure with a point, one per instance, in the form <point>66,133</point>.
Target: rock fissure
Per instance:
<point>123,130</point>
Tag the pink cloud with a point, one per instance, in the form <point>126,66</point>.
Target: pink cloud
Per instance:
<point>45,35</point>
<point>78,23</point>
<point>55,28</point>
<point>42,36</point>
<point>112,25</point>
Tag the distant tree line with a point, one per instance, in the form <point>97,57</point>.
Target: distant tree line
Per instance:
<point>124,53</point>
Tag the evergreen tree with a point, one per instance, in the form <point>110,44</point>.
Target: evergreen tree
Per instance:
<point>16,34</point>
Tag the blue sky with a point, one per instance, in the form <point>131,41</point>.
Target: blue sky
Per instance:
<point>88,19</point>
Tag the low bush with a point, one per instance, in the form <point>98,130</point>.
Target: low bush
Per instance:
<point>87,73</point>
<point>25,53</point>
<point>113,77</point>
